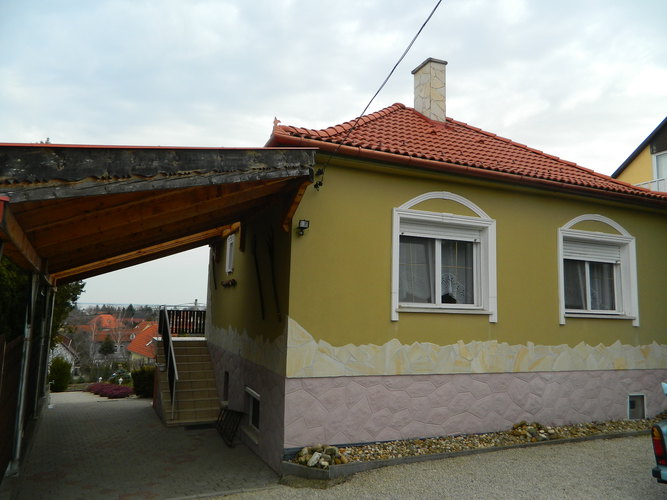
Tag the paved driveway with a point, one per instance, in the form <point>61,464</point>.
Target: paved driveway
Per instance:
<point>88,447</point>
<point>93,448</point>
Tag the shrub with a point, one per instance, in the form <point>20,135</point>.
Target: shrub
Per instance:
<point>111,391</point>
<point>120,373</point>
<point>60,373</point>
<point>142,380</point>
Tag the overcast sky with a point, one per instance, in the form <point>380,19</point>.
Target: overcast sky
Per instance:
<point>584,80</point>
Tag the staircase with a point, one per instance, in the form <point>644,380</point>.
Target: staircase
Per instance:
<point>197,400</point>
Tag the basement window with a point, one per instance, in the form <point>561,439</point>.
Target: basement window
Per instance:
<point>252,399</point>
<point>225,387</point>
<point>636,407</point>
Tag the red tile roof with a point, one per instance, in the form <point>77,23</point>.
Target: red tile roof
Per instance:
<point>118,335</point>
<point>402,135</point>
<point>143,343</point>
<point>104,321</point>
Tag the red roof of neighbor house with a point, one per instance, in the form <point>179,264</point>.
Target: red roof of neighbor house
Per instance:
<point>143,343</point>
<point>118,335</point>
<point>105,321</point>
<point>402,135</point>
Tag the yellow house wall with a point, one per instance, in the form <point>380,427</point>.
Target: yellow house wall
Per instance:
<point>341,281</point>
<point>639,170</point>
<point>235,312</point>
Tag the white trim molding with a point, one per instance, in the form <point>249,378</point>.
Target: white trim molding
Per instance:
<point>479,229</point>
<point>618,249</point>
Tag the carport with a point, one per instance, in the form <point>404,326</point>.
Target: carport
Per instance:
<point>71,212</point>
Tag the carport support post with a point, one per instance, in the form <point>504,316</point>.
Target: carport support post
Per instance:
<point>46,326</point>
<point>13,467</point>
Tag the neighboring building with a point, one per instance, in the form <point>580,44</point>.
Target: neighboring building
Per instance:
<point>103,325</point>
<point>647,165</point>
<point>143,348</point>
<point>63,349</point>
<point>438,279</point>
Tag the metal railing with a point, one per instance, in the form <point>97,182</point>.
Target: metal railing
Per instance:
<point>655,184</point>
<point>185,322</point>
<point>168,344</point>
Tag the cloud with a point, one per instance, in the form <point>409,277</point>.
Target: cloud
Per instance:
<point>580,80</point>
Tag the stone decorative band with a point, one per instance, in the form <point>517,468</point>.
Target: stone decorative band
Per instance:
<point>307,357</point>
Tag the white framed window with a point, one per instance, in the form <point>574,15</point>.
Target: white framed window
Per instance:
<point>229,253</point>
<point>660,165</point>
<point>636,406</point>
<point>659,172</point>
<point>597,272</point>
<point>441,262</point>
<point>253,400</point>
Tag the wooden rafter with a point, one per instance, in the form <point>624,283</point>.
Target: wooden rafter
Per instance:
<point>11,232</point>
<point>141,254</point>
<point>287,220</point>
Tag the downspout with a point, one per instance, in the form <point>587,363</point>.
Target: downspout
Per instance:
<point>13,467</point>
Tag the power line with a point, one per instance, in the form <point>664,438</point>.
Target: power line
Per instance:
<point>319,183</point>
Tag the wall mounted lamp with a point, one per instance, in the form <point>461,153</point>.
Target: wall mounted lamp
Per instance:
<point>303,225</point>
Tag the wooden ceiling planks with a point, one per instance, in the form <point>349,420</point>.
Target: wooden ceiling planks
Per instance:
<point>79,228</point>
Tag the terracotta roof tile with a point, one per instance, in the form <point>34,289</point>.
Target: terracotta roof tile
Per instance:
<point>403,132</point>
<point>143,343</point>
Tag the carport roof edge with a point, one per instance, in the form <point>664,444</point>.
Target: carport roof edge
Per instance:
<point>24,166</point>
<point>70,207</point>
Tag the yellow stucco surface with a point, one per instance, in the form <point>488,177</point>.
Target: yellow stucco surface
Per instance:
<point>250,317</point>
<point>341,269</point>
<point>639,170</point>
<point>327,302</point>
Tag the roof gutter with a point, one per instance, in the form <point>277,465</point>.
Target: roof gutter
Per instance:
<point>439,166</point>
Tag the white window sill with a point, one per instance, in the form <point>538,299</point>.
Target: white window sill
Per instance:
<point>441,310</point>
<point>572,314</point>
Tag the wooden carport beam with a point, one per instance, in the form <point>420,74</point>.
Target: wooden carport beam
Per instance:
<point>144,254</point>
<point>14,236</point>
<point>287,220</point>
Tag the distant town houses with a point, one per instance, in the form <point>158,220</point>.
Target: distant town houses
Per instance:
<point>110,338</point>
<point>65,350</point>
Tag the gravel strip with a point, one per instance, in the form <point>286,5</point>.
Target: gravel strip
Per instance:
<point>609,469</point>
<point>520,434</point>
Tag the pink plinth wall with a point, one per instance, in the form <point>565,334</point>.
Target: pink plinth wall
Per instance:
<point>343,410</point>
<point>270,387</point>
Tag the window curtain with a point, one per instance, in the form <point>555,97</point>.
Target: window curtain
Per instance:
<point>602,286</point>
<point>415,280</point>
<point>457,276</point>
<point>575,284</point>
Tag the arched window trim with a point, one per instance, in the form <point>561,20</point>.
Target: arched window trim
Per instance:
<point>486,261</point>
<point>628,307</point>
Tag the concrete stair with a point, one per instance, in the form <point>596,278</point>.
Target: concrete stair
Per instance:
<point>197,400</point>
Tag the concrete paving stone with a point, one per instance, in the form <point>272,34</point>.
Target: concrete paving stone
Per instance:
<point>89,447</point>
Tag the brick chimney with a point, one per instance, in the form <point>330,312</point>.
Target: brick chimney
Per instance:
<point>430,88</point>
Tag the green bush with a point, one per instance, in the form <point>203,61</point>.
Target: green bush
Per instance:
<point>142,380</point>
<point>60,373</point>
<point>120,373</point>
